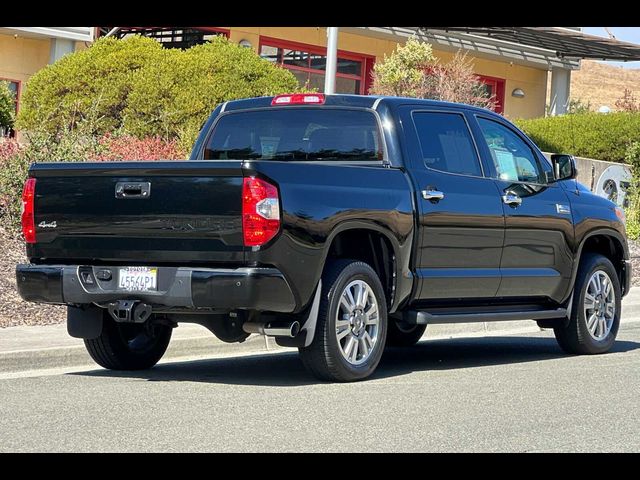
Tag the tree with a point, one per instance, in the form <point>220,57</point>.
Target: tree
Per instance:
<point>413,71</point>
<point>136,87</point>
<point>403,73</point>
<point>7,107</point>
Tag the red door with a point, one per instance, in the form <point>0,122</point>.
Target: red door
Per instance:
<point>494,86</point>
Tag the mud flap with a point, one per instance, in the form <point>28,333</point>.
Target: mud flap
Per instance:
<point>308,330</point>
<point>84,322</point>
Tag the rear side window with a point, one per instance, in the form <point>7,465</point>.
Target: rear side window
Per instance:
<point>446,144</point>
<point>296,133</point>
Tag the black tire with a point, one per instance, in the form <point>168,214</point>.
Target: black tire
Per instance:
<point>324,358</point>
<point>129,346</point>
<point>574,338</point>
<point>402,334</point>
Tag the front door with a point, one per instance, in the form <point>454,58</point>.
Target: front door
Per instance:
<point>537,260</point>
<point>461,222</point>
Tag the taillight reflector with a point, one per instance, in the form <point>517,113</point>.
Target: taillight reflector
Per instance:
<point>28,220</point>
<point>298,99</point>
<point>260,211</point>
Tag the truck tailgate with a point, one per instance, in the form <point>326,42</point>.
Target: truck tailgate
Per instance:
<point>99,212</point>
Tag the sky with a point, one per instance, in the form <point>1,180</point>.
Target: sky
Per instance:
<point>626,34</point>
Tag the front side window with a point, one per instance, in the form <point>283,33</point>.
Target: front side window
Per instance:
<point>296,133</point>
<point>446,144</point>
<point>513,159</point>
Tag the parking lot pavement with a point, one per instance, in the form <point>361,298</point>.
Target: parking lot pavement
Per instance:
<point>506,393</point>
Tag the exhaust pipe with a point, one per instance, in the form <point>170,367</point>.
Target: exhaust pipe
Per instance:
<point>273,329</point>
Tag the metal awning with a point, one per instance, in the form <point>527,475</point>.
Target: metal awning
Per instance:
<point>565,42</point>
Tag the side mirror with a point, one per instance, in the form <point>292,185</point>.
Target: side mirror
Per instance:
<point>564,166</point>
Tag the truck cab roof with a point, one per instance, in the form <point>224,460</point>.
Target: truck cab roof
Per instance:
<point>344,100</point>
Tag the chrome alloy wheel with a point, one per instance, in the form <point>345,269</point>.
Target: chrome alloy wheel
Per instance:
<point>599,305</point>
<point>357,322</point>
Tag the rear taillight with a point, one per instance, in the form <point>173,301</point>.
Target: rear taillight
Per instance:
<point>298,99</point>
<point>28,220</point>
<point>260,212</point>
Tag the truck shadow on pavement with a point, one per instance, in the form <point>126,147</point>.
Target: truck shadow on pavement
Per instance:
<point>285,369</point>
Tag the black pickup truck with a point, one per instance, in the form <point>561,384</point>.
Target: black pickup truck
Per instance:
<point>337,224</point>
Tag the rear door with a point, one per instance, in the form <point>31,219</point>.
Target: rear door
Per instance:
<point>537,259</point>
<point>461,221</point>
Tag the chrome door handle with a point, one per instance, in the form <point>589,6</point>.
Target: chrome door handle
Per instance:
<point>432,195</point>
<point>511,199</point>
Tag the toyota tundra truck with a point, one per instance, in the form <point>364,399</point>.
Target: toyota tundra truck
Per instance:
<point>338,224</point>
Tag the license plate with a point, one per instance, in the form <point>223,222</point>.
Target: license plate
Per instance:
<point>138,279</point>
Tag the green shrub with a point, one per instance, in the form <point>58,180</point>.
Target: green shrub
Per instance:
<point>632,157</point>
<point>7,106</point>
<point>592,135</point>
<point>12,176</point>
<point>96,79</point>
<point>402,73</point>
<point>632,210</point>
<point>633,229</point>
<point>137,87</point>
<point>173,98</point>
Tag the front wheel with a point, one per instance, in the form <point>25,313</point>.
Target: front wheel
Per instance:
<point>352,324</point>
<point>595,312</point>
<point>129,346</point>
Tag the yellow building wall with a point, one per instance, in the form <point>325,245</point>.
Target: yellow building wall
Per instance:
<point>21,57</point>
<point>532,81</point>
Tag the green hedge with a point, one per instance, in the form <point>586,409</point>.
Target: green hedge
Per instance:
<point>137,87</point>
<point>592,135</point>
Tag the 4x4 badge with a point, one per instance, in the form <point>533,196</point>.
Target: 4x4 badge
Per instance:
<point>44,224</point>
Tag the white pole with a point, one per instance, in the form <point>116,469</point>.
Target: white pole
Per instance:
<point>113,31</point>
<point>332,60</point>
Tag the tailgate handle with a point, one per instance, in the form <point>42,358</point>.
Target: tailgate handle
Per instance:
<point>139,190</point>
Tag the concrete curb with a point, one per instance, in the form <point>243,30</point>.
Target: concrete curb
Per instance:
<point>76,355</point>
<point>204,344</point>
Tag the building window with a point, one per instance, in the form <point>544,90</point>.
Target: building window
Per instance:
<point>494,86</point>
<point>14,87</point>
<point>308,63</point>
<point>171,37</point>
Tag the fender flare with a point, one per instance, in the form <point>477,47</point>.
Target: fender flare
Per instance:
<point>402,253</point>
<point>609,232</point>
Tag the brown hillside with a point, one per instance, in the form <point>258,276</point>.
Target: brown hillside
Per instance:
<point>602,84</point>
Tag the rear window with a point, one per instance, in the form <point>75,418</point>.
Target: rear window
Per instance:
<point>295,133</point>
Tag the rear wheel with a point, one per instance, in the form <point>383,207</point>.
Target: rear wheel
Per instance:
<point>129,346</point>
<point>595,312</point>
<point>403,334</point>
<point>352,324</point>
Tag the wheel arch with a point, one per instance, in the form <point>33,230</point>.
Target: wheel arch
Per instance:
<point>607,242</point>
<point>382,251</point>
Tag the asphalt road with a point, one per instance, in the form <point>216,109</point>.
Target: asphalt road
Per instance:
<point>515,393</point>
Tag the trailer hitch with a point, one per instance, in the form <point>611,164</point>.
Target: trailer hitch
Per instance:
<point>129,311</point>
